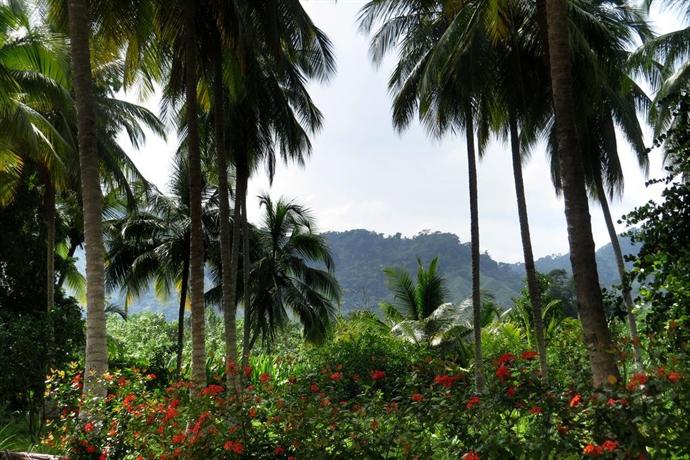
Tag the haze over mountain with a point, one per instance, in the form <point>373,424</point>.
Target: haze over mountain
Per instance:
<point>361,255</point>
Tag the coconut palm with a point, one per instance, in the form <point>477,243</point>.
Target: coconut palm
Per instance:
<point>287,278</point>
<point>591,308</point>
<point>416,28</point>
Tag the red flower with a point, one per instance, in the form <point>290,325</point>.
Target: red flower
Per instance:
<point>88,427</point>
<point>377,375</point>
<point>264,377</point>
<point>610,445</point>
<point>391,407</point>
<point>314,388</point>
<point>536,410</point>
<point>247,371</point>
<point>575,400</point>
<point>638,379</point>
<point>502,372</point>
<point>592,450</point>
<point>374,424</point>
<point>212,390</point>
<point>231,368</point>
<point>234,446</point>
<point>122,382</point>
<point>252,412</point>
<point>505,358</point>
<point>151,377</point>
<point>446,380</point>
<point>660,372</point>
<point>178,438</point>
<point>336,376</point>
<point>510,392</point>
<point>471,455</point>
<point>417,397</point>
<point>529,355</point>
<point>279,450</point>
<point>473,401</point>
<point>90,449</point>
<point>673,377</point>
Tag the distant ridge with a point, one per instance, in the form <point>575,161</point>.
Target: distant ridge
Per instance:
<point>361,255</point>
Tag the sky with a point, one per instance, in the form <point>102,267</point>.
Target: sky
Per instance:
<point>362,173</point>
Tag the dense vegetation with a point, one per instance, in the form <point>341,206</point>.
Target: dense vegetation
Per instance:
<point>464,358</point>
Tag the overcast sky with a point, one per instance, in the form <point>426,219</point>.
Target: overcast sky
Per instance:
<point>363,174</point>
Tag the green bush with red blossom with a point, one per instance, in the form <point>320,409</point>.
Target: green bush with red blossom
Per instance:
<point>368,395</point>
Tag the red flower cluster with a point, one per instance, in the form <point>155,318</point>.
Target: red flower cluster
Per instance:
<point>314,388</point>
<point>510,392</point>
<point>638,379</point>
<point>264,377</point>
<point>529,355</point>
<point>575,400</point>
<point>536,410</point>
<point>502,372</point>
<point>505,358</point>
<point>417,397</point>
<point>88,427</point>
<point>234,446</point>
<point>673,377</point>
<point>212,390</point>
<point>377,375</point>
<point>473,401</point>
<point>594,450</point>
<point>471,455</point>
<point>336,376</point>
<point>446,380</point>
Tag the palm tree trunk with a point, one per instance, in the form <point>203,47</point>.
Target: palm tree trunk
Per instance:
<point>591,310</point>
<point>49,202</point>
<point>96,359</point>
<point>180,315</point>
<point>474,232</point>
<point>196,250</point>
<point>532,282</point>
<point>246,348</point>
<point>627,297</point>
<point>230,314</point>
<point>226,251</point>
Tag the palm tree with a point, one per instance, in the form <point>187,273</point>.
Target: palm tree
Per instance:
<point>285,276</point>
<point>410,301</point>
<point>151,244</point>
<point>96,359</point>
<point>416,28</point>
<point>591,308</point>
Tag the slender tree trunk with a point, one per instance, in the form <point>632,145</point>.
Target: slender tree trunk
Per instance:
<point>50,244</point>
<point>627,297</point>
<point>96,359</point>
<point>246,348</point>
<point>196,251</point>
<point>226,251</point>
<point>532,282</point>
<point>230,316</point>
<point>474,232</point>
<point>180,315</point>
<point>591,309</point>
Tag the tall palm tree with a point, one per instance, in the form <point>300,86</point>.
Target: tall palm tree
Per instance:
<point>591,308</point>
<point>416,28</point>
<point>286,277</point>
<point>96,358</point>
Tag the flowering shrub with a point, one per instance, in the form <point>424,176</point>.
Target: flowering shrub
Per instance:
<point>420,407</point>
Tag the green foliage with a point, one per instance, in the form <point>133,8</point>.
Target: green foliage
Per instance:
<point>143,340</point>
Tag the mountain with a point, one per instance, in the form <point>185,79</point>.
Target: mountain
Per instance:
<point>361,255</point>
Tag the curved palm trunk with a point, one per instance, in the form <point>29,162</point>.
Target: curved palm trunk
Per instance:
<point>246,339</point>
<point>532,283</point>
<point>180,315</point>
<point>474,232</point>
<point>226,250</point>
<point>618,253</point>
<point>196,249</point>
<point>96,360</point>
<point>591,310</point>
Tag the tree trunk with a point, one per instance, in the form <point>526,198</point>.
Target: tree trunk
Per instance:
<point>49,203</point>
<point>196,250</point>
<point>230,316</point>
<point>245,280</point>
<point>228,278</point>
<point>474,232</point>
<point>180,316</point>
<point>532,282</point>
<point>96,359</point>
<point>591,310</point>
<point>627,297</point>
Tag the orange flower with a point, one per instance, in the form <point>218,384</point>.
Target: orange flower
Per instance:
<point>592,450</point>
<point>575,400</point>
<point>673,377</point>
<point>529,355</point>
<point>638,379</point>
<point>417,397</point>
<point>252,412</point>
